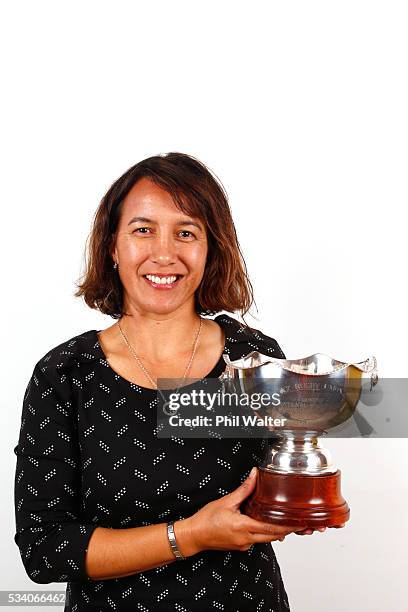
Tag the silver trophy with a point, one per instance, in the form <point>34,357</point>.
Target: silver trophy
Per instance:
<point>298,484</point>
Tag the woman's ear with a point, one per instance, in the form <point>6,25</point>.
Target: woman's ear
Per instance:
<point>113,251</point>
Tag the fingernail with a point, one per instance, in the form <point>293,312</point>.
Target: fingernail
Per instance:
<point>252,472</point>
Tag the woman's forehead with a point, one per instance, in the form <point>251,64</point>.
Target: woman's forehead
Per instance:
<point>149,201</point>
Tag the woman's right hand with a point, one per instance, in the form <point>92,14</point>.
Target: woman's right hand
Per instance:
<point>220,525</point>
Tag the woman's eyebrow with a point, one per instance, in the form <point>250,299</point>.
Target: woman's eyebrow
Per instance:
<point>143,219</point>
<point>147,220</point>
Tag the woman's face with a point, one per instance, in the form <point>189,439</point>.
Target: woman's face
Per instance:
<point>157,239</point>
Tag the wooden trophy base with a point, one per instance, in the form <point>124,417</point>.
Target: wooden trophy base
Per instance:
<point>297,500</point>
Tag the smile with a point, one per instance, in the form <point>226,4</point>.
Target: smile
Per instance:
<point>162,282</point>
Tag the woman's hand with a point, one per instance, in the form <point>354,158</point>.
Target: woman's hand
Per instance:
<point>220,525</point>
<point>310,530</point>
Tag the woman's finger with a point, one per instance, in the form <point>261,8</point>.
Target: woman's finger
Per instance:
<point>310,530</point>
<point>257,538</point>
<point>255,526</point>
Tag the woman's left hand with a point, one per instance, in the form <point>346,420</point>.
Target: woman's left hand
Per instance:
<point>309,531</point>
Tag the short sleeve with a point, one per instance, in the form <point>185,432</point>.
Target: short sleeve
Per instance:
<point>50,534</point>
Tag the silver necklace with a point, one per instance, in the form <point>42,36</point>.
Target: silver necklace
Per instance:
<point>145,371</point>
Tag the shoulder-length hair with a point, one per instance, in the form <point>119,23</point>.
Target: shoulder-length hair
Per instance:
<point>195,191</point>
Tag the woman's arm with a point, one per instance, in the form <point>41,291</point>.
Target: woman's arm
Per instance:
<point>115,553</point>
<point>219,525</point>
<point>50,534</point>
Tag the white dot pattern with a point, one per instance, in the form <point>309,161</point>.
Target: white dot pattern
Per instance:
<point>88,455</point>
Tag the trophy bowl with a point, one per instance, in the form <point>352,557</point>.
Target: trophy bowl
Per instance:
<point>298,483</point>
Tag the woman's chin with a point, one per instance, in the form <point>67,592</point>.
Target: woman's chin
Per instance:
<point>161,307</point>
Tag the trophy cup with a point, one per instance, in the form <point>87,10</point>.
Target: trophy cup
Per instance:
<point>298,484</point>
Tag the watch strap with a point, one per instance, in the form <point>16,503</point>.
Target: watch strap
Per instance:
<point>173,542</point>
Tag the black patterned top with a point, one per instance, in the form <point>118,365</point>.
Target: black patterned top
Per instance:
<point>88,455</point>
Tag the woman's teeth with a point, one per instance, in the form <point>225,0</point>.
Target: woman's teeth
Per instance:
<point>162,280</point>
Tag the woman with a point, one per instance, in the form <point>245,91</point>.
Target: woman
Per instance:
<point>96,491</point>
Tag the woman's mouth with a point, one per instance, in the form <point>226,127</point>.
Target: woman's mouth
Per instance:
<point>165,282</point>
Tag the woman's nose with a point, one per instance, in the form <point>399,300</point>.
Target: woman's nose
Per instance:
<point>163,251</point>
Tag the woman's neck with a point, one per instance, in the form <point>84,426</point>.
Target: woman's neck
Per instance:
<point>158,338</point>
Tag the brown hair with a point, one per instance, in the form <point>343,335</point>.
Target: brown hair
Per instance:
<point>195,191</point>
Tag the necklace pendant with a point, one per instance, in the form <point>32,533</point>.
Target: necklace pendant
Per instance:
<point>169,411</point>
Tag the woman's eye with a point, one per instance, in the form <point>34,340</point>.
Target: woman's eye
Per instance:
<point>138,229</point>
<point>187,232</point>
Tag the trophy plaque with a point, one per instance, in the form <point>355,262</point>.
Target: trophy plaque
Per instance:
<point>298,484</point>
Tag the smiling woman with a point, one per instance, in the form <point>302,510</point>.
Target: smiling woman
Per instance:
<point>169,201</point>
<point>103,503</point>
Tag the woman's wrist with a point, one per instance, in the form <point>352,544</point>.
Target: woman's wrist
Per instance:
<point>186,542</point>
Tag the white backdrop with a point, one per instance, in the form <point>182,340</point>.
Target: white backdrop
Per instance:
<point>300,110</point>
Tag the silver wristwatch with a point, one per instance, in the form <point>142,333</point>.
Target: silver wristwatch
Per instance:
<point>173,543</point>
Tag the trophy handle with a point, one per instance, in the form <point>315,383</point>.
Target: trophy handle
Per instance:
<point>369,366</point>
